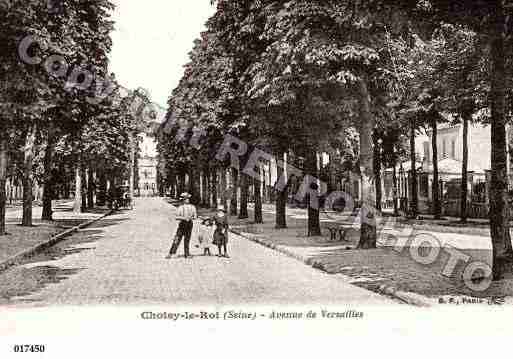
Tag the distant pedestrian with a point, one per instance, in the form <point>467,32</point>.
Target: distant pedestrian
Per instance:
<point>185,215</point>
<point>221,232</point>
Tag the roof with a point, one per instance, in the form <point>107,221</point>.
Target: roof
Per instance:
<point>406,166</point>
<point>447,165</point>
<point>452,166</point>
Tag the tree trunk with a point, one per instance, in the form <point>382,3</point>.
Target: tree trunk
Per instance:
<point>368,232</point>
<point>48,191</point>
<point>205,195</point>
<point>265,186</point>
<point>11,189</point>
<point>194,184</point>
<point>131,166</point>
<point>177,180</point>
<point>395,189</point>
<point>499,216</point>
<point>77,206</point>
<point>3,179</point>
<point>206,188</point>
<point>67,190</point>
<point>213,187</point>
<point>192,179</point>
<point>90,188</point>
<point>268,188</point>
<point>181,183</point>
<point>464,170</point>
<point>28,176</point>
<point>258,200</point>
<point>414,198</point>
<point>176,183</point>
<point>281,201</point>
<point>244,193</point>
<point>314,224</point>
<point>84,189</point>
<point>102,188</point>
<point>224,189</point>
<point>235,186</point>
<point>170,184</point>
<point>437,207</point>
<point>377,173</point>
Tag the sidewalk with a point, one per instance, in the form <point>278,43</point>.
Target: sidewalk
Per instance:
<point>20,238</point>
<point>382,267</point>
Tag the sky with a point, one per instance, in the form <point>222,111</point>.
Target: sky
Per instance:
<point>152,41</point>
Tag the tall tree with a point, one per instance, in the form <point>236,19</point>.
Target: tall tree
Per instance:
<point>464,170</point>
<point>258,216</point>
<point>499,213</point>
<point>437,205</point>
<point>48,188</point>
<point>368,235</point>
<point>413,185</point>
<point>281,197</point>
<point>377,139</point>
<point>3,179</point>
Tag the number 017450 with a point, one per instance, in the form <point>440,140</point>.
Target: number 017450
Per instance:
<point>26,348</point>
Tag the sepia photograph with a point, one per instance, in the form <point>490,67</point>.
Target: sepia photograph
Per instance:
<point>337,169</point>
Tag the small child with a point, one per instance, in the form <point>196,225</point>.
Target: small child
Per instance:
<point>221,231</point>
<point>206,235</point>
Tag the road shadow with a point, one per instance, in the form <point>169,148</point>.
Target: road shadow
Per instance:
<point>24,282</point>
<point>108,222</point>
<point>35,273</point>
<point>77,243</point>
<point>68,209</point>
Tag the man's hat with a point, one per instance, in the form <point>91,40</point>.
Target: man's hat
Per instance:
<point>185,195</point>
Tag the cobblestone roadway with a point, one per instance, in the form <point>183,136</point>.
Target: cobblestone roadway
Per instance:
<point>127,266</point>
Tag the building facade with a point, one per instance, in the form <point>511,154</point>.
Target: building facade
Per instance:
<point>147,167</point>
<point>450,163</point>
<point>147,163</point>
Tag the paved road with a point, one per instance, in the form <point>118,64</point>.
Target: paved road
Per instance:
<point>121,260</point>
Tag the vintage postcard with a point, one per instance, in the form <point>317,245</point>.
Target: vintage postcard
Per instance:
<point>218,172</point>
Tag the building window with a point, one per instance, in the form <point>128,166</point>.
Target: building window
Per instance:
<point>453,149</point>
<point>444,149</point>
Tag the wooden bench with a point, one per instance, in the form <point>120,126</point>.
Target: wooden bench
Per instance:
<point>334,230</point>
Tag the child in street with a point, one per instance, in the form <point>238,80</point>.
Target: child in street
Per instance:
<point>206,235</point>
<point>221,232</point>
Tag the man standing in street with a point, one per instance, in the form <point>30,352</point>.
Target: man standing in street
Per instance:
<point>185,215</point>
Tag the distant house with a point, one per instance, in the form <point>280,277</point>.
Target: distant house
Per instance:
<point>450,149</point>
<point>147,167</point>
<point>450,163</point>
<point>450,157</point>
<point>148,160</point>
